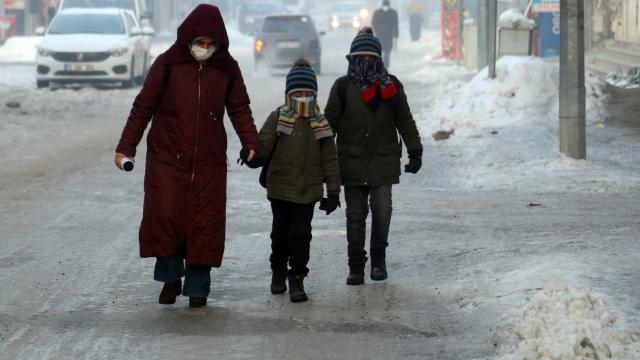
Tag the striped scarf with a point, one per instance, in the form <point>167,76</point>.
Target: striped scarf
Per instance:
<point>369,76</point>
<point>293,110</point>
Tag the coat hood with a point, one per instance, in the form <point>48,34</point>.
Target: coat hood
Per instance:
<point>204,21</point>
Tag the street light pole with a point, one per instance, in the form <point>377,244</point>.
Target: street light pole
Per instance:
<point>572,91</point>
<point>492,15</point>
<point>483,38</point>
<point>459,29</point>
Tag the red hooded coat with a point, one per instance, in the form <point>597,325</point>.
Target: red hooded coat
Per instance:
<point>186,167</point>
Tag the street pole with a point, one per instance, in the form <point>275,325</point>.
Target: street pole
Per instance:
<point>492,10</point>
<point>572,91</point>
<point>459,30</point>
<point>483,37</point>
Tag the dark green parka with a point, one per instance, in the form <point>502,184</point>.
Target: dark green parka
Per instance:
<point>300,164</point>
<point>369,149</point>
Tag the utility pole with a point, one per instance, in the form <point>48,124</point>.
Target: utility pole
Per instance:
<point>483,35</point>
<point>572,91</point>
<point>492,12</point>
<point>459,30</point>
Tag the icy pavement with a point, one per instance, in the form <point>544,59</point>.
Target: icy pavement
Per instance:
<point>471,244</point>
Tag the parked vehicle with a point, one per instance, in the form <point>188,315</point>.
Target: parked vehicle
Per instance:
<point>349,15</point>
<point>283,39</point>
<point>251,14</point>
<point>93,45</point>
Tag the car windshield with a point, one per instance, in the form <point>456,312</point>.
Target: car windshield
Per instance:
<point>121,4</point>
<point>264,8</point>
<point>288,24</point>
<point>352,7</point>
<point>87,24</point>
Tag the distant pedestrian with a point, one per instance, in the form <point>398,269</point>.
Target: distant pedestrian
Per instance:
<point>416,18</point>
<point>367,109</point>
<point>385,27</point>
<point>298,140</point>
<point>185,96</point>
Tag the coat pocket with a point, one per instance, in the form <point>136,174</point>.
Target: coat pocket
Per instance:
<point>389,149</point>
<point>350,150</point>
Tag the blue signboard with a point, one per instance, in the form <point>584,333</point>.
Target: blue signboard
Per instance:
<point>550,34</point>
<point>545,6</point>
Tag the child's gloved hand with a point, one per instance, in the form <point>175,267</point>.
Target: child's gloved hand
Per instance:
<point>250,158</point>
<point>330,203</point>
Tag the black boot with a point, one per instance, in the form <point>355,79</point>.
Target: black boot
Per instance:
<point>378,266</point>
<point>356,276</point>
<point>170,291</point>
<point>279,281</point>
<point>197,301</point>
<point>296,288</point>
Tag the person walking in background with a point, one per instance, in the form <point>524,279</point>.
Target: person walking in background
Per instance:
<point>416,18</point>
<point>367,108</point>
<point>299,142</point>
<point>184,96</point>
<point>385,28</point>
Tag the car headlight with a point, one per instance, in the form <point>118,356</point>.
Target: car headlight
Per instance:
<point>364,13</point>
<point>119,52</point>
<point>335,18</point>
<point>44,52</point>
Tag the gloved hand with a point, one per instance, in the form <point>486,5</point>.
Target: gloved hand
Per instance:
<point>254,163</point>
<point>330,203</point>
<point>415,162</point>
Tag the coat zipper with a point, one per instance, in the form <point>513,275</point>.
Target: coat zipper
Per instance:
<point>195,153</point>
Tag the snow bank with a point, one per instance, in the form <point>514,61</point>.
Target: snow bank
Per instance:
<point>507,131</point>
<point>20,49</point>
<point>564,323</point>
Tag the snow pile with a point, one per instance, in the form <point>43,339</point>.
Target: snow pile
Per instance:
<point>20,49</point>
<point>514,18</point>
<point>564,323</point>
<point>525,89</point>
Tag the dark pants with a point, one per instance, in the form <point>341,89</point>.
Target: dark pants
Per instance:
<point>415,27</point>
<point>291,236</point>
<point>197,279</point>
<point>359,199</point>
<point>386,58</point>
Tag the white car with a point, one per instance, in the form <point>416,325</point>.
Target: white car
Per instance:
<point>93,45</point>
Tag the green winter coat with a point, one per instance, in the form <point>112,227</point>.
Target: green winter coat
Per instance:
<point>369,149</point>
<point>300,164</point>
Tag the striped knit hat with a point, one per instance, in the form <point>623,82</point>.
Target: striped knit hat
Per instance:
<point>301,78</point>
<point>365,44</point>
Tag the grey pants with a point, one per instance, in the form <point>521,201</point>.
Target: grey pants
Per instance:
<point>359,199</point>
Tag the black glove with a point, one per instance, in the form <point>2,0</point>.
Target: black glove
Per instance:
<point>255,163</point>
<point>330,203</point>
<point>415,162</point>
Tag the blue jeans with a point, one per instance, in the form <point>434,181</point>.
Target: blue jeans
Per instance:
<point>197,279</point>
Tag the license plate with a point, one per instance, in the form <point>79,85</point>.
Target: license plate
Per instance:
<point>78,67</point>
<point>288,45</point>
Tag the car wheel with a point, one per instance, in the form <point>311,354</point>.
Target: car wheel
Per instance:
<point>143,75</point>
<point>127,84</point>
<point>42,84</point>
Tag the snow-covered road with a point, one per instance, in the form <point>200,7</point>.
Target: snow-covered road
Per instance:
<point>462,256</point>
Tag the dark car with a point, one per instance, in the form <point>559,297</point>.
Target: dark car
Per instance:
<point>251,14</point>
<point>284,39</point>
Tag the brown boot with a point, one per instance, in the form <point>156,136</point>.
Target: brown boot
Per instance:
<point>170,291</point>
<point>197,301</point>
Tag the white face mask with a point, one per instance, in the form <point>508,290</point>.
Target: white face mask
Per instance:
<point>385,8</point>
<point>200,53</point>
<point>303,99</point>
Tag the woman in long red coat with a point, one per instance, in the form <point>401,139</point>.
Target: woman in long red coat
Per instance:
<point>184,96</point>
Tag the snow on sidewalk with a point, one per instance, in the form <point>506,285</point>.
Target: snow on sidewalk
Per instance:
<point>566,323</point>
<point>506,133</point>
<point>20,49</point>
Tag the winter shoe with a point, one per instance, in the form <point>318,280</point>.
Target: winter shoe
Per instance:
<point>170,291</point>
<point>296,289</point>
<point>378,266</point>
<point>197,301</point>
<point>279,281</point>
<point>356,277</point>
